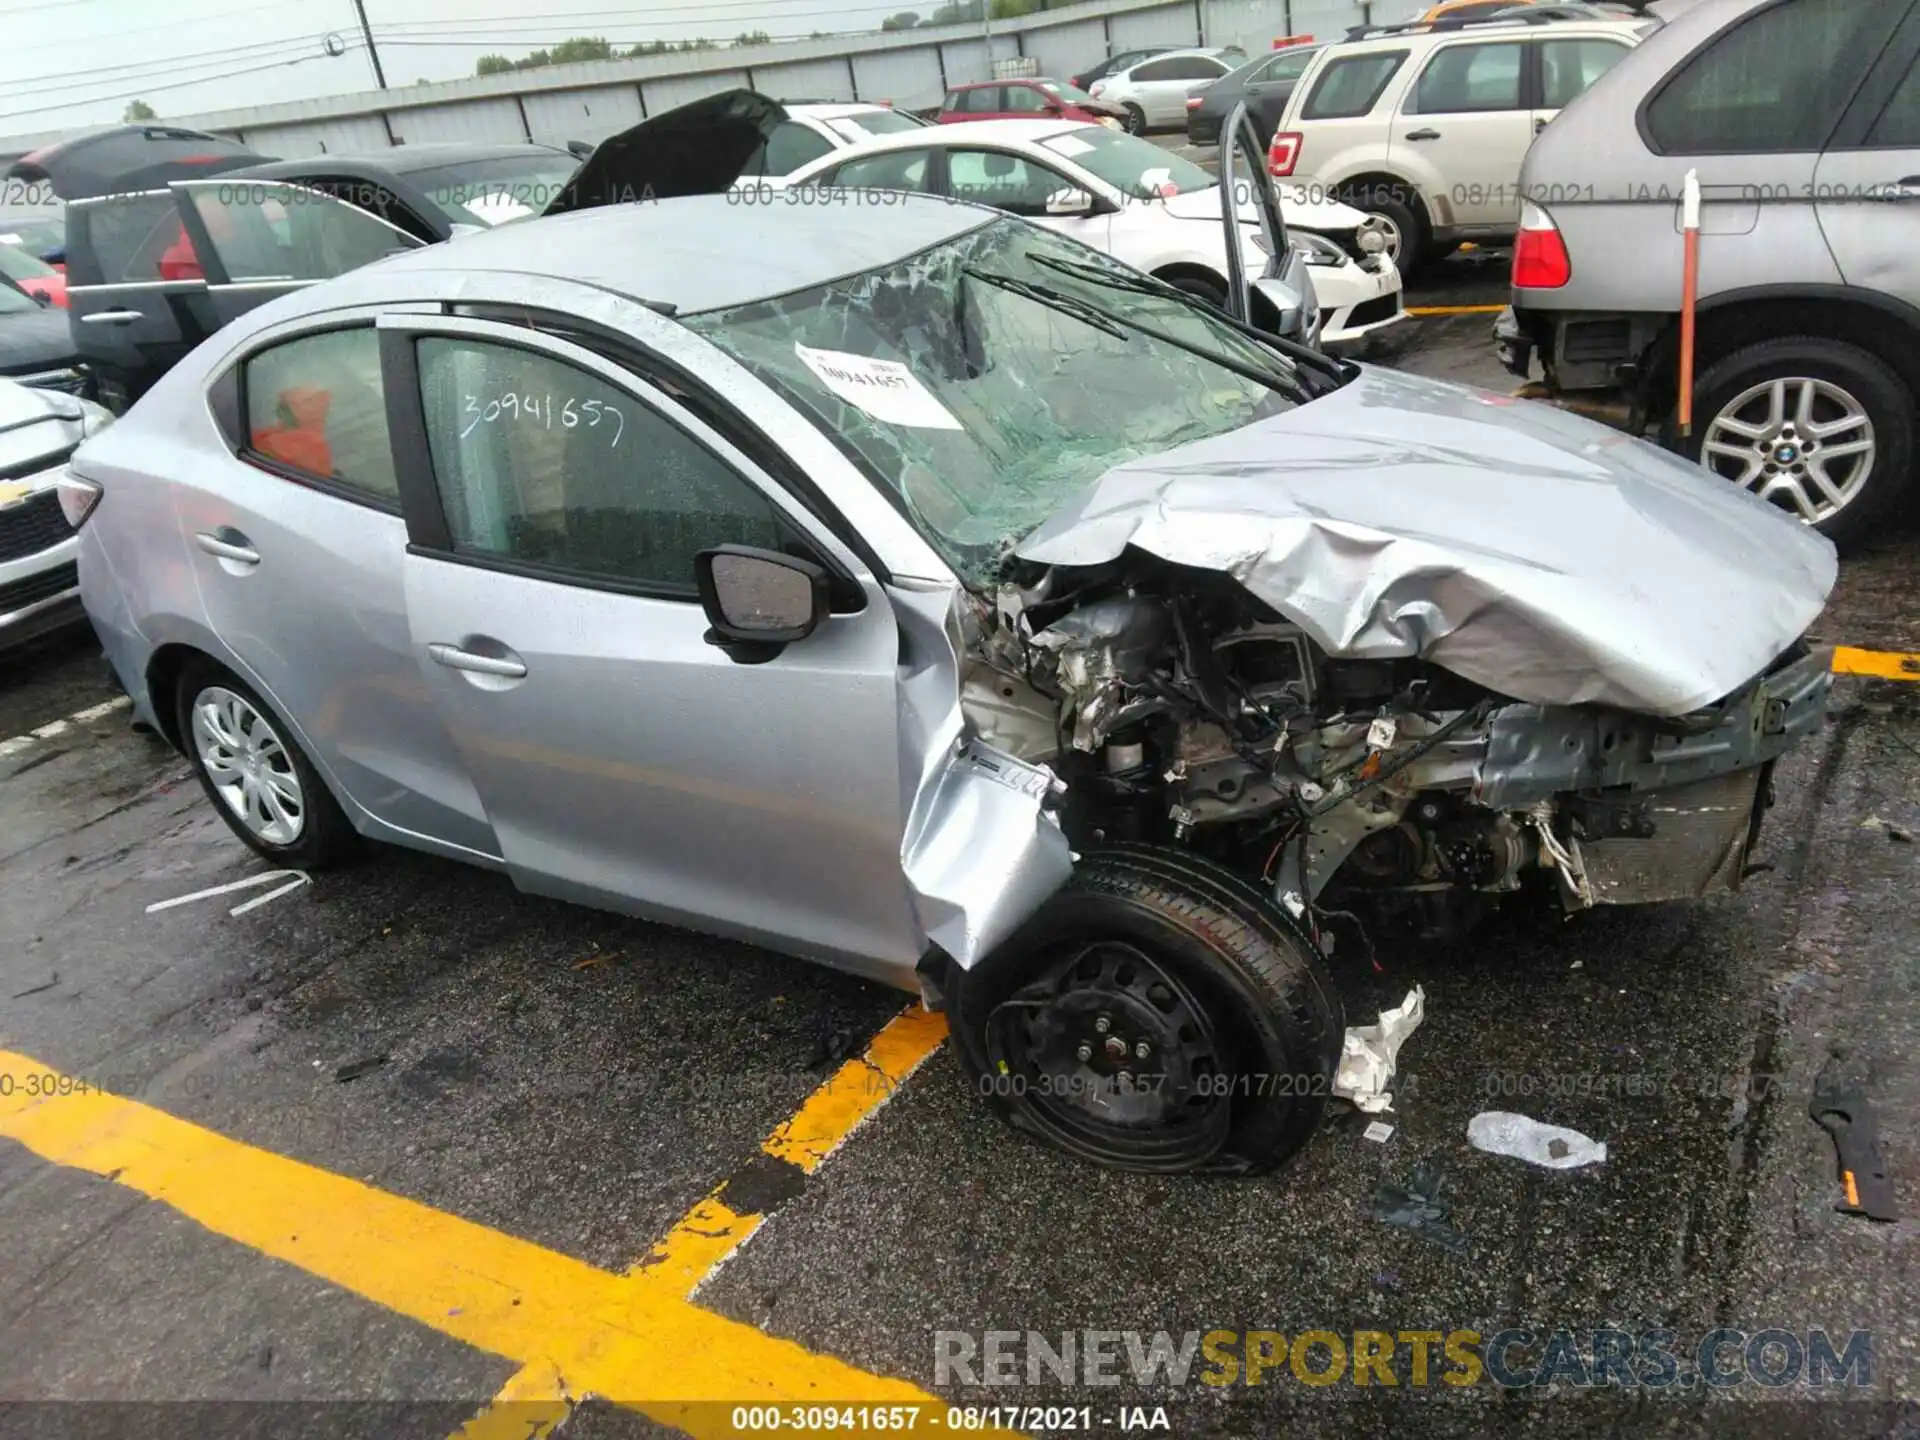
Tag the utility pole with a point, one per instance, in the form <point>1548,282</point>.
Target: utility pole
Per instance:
<point>366,33</point>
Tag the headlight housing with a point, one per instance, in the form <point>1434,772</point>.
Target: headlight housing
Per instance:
<point>1316,249</point>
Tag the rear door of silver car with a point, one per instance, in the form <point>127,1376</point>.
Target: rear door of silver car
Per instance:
<point>296,542</point>
<point>1867,185</point>
<point>556,502</point>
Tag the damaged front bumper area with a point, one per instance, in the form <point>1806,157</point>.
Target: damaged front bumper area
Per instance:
<point>1631,809</point>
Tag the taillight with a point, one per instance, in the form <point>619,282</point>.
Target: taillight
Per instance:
<point>78,498</point>
<point>1540,259</point>
<point>1284,153</point>
<point>1193,102</point>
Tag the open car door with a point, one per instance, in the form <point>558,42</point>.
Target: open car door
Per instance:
<point>1280,279</point>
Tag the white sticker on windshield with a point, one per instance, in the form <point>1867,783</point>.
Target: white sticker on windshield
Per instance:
<point>498,207</point>
<point>1069,145</point>
<point>9,239</point>
<point>884,389</point>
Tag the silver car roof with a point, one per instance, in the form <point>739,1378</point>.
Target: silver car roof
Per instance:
<point>708,252</point>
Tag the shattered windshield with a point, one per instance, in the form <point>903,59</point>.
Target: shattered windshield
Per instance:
<point>985,381</point>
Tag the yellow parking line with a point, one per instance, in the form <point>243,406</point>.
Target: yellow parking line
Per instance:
<point>576,1330</point>
<point>856,1090</point>
<point>1455,309</point>
<point>1885,664</point>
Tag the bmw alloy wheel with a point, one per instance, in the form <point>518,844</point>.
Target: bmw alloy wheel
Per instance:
<point>248,765</point>
<point>1806,445</point>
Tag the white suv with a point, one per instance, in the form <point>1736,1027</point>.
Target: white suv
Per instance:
<point>1425,126</point>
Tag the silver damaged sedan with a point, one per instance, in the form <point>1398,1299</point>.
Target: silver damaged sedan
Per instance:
<point>908,588</point>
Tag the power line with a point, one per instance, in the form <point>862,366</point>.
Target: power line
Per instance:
<point>111,74</point>
<point>146,90</point>
<point>69,41</point>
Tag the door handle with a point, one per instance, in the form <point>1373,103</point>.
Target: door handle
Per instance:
<point>112,317</point>
<point>228,549</point>
<point>454,658</point>
<point>1424,135</point>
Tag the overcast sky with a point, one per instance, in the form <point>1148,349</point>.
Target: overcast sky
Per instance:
<point>79,62</point>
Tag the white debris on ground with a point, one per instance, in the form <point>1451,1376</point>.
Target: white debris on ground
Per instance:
<point>1500,1132</point>
<point>1367,1053</point>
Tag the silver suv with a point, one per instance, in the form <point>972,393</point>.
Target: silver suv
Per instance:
<point>1802,118</point>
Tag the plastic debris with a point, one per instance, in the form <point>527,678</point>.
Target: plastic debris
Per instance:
<point>1379,1131</point>
<point>1842,1111</point>
<point>1500,1132</point>
<point>1417,1206</point>
<point>1368,1054</point>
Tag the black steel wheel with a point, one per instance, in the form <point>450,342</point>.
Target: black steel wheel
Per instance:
<point>1159,1014</point>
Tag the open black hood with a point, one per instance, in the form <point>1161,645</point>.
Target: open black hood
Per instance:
<point>131,157</point>
<point>697,149</point>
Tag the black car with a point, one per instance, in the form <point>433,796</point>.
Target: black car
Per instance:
<point>171,234</point>
<point>1265,84</point>
<point>1119,60</point>
<point>36,346</point>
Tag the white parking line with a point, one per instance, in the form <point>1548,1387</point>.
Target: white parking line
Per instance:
<point>53,730</point>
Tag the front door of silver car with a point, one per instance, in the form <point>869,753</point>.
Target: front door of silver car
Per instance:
<point>295,540</point>
<point>626,759</point>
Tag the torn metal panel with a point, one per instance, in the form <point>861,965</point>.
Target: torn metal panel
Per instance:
<point>1530,551</point>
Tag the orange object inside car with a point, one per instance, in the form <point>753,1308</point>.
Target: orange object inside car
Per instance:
<point>300,439</point>
<point>1475,9</point>
<point>178,261</point>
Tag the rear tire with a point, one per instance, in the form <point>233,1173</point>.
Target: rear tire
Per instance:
<point>1136,121</point>
<point>1732,401</point>
<point>1154,948</point>
<point>255,774</point>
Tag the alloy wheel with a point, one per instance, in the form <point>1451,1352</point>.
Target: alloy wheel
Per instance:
<point>248,765</point>
<point>1806,445</point>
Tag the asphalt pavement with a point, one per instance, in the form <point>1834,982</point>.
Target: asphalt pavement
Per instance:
<point>404,1152</point>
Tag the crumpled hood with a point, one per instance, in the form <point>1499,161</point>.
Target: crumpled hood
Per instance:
<point>1298,210</point>
<point>1528,550</point>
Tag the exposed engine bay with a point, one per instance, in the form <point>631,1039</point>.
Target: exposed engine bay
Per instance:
<point>1180,709</point>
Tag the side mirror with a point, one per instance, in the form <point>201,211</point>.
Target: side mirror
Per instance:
<point>1070,202</point>
<point>758,602</point>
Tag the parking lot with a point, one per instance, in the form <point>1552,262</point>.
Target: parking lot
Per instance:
<point>404,1152</point>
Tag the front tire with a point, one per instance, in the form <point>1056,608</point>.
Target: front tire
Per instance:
<point>1397,208</point>
<point>1820,427</point>
<point>1158,1015</point>
<point>1136,121</point>
<point>255,774</point>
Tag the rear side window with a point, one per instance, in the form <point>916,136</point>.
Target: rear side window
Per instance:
<point>127,235</point>
<point>1351,85</point>
<point>894,170</point>
<point>1773,84</point>
<point>1462,79</point>
<point>1568,67</point>
<point>316,405</point>
<point>789,147</point>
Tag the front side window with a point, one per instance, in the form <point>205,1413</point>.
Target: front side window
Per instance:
<point>316,405</point>
<point>542,463</point>
<point>789,147</point>
<point>1025,100</point>
<point>981,100</point>
<point>1898,127</point>
<point>1568,67</point>
<point>983,382</point>
<point>1463,79</point>
<point>1351,85</point>
<point>1773,84</point>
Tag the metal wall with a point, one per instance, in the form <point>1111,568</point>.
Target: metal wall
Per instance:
<point>912,69</point>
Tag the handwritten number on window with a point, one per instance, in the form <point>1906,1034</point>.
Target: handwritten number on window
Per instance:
<point>539,410</point>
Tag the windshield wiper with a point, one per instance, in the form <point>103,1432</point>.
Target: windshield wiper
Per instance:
<point>1147,285</point>
<point>1053,299</point>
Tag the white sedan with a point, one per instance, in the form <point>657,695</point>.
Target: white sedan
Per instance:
<point>1128,198</point>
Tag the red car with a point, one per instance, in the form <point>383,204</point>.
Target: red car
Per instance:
<point>32,274</point>
<point>1026,100</point>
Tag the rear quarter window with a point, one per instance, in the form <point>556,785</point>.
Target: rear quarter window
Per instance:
<point>1351,85</point>
<point>1775,83</point>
